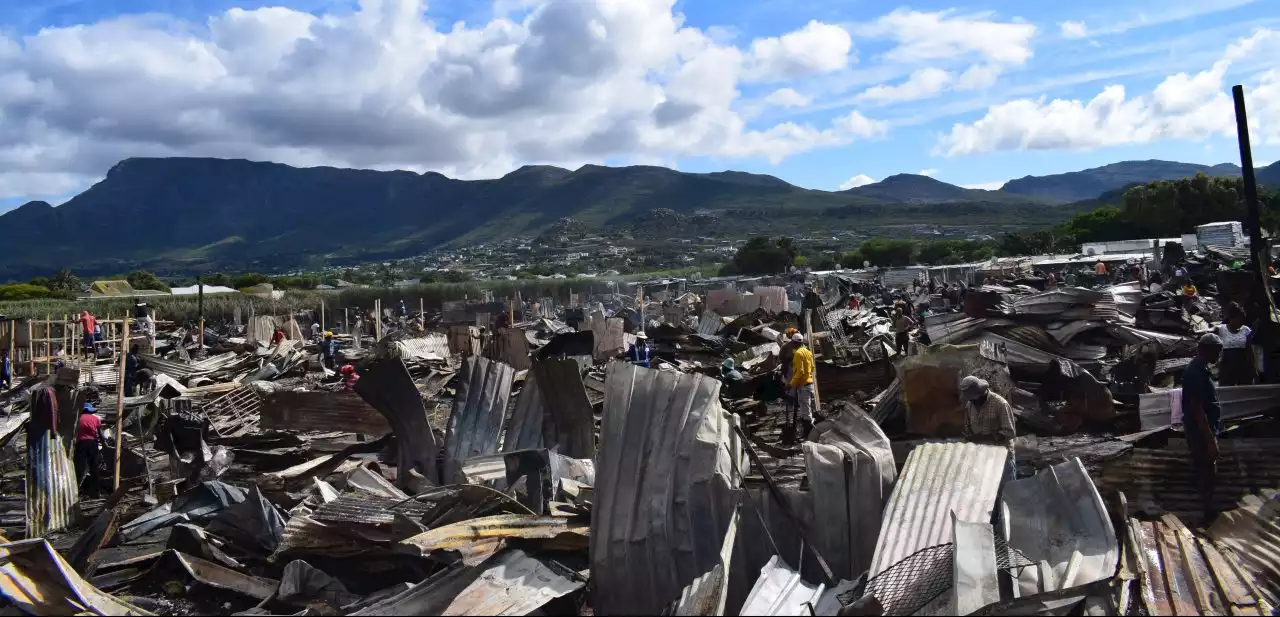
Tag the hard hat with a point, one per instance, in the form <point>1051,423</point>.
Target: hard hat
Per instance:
<point>328,333</point>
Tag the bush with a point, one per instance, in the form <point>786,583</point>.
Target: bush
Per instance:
<point>23,291</point>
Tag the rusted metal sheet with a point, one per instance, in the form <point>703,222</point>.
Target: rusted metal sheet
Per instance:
<point>1160,480</point>
<point>352,524</point>
<point>937,479</point>
<point>569,424</point>
<point>214,575</point>
<point>387,386</point>
<point>36,580</point>
<point>479,411</point>
<point>509,346</point>
<point>52,490</point>
<point>710,323</point>
<point>1250,536</point>
<point>464,340</point>
<point>511,583</point>
<point>866,377</point>
<point>1182,574</point>
<point>931,386</point>
<point>665,487</point>
<point>608,332</point>
<point>321,411</point>
<point>487,534</point>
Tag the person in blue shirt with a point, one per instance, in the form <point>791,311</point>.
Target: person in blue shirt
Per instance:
<point>329,350</point>
<point>6,370</point>
<point>729,372</point>
<point>1201,419</point>
<point>404,310</point>
<point>640,353</point>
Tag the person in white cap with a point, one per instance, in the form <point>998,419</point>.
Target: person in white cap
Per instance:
<point>988,418</point>
<point>801,384</point>
<point>1201,419</point>
<point>639,353</point>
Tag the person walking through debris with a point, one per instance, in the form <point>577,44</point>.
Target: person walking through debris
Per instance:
<point>1201,419</point>
<point>802,381</point>
<point>328,350</point>
<point>315,331</point>
<point>786,354</point>
<point>639,352</point>
<point>988,419</point>
<point>902,325</point>
<point>1236,367</point>
<point>277,337</point>
<point>88,442</point>
<point>1100,270</point>
<point>729,373</point>
<point>349,378</point>
<point>6,370</point>
<point>87,326</point>
<point>133,364</point>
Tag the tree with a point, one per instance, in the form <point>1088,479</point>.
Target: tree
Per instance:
<point>248,280</point>
<point>887,253</point>
<point>217,279</point>
<point>23,291</point>
<point>760,256</point>
<point>788,245</point>
<point>64,281</point>
<point>141,279</point>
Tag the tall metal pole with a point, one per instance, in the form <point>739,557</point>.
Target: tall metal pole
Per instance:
<point>200,310</point>
<point>1250,186</point>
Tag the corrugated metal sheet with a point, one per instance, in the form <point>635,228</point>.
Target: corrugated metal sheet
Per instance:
<point>52,490</point>
<point>609,340</point>
<point>509,346</point>
<point>479,411</point>
<point>433,346</point>
<point>510,583</point>
<point>781,591</point>
<point>952,328</point>
<point>772,299</point>
<point>1179,573</point>
<point>937,479</point>
<point>524,428</point>
<point>100,375</point>
<point>867,378</point>
<point>851,471</point>
<point>464,535</point>
<point>1157,481</point>
<point>707,594</point>
<point>665,487</point>
<point>1250,535</point>
<point>343,412</point>
<point>569,424</point>
<point>1058,519</point>
<point>1155,409</point>
<point>388,387</point>
<point>186,370</point>
<point>38,581</point>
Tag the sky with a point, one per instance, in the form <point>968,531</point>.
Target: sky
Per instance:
<point>826,94</point>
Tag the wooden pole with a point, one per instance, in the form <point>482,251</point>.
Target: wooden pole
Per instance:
<point>48,344</point>
<point>31,349</point>
<point>321,314</point>
<point>200,334</point>
<point>422,311</point>
<point>346,322</point>
<point>120,411</point>
<point>808,328</point>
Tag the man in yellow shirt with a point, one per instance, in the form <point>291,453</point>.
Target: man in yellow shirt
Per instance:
<point>802,381</point>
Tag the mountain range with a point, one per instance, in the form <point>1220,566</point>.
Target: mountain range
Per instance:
<point>199,214</point>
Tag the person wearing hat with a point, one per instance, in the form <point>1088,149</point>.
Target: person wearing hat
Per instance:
<point>728,372</point>
<point>802,381</point>
<point>88,440</point>
<point>639,352</point>
<point>328,350</point>
<point>786,353</point>
<point>988,418</point>
<point>1201,418</point>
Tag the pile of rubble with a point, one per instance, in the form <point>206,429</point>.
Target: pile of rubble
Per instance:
<point>529,468</point>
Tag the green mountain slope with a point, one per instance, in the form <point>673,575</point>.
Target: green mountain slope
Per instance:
<point>1089,183</point>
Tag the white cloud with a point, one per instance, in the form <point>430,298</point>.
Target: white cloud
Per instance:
<point>382,88</point>
<point>943,35</point>
<point>787,97</point>
<point>1182,106</point>
<point>1074,29</point>
<point>985,186</point>
<point>928,172</point>
<point>978,77</point>
<point>922,84</point>
<point>857,181</point>
<point>815,48</point>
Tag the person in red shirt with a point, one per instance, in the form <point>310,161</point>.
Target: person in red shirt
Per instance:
<point>349,378</point>
<point>277,337</point>
<point>854,303</point>
<point>87,326</point>
<point>88,440</point>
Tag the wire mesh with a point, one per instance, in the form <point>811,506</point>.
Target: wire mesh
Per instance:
<point>909,585</point>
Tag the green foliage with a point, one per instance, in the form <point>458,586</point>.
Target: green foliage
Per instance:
<point>800,261</point>
<point>761,256</point>
<point>141,279</point>
<point>217,279</point>
<point>295,282</point>
<point>23,291</point>
<point>64,281</point>
<point>240,281</point>
<point>945,252</point>
<point>887,253</point>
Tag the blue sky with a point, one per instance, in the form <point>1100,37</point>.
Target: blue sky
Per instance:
<point>821,93</point>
